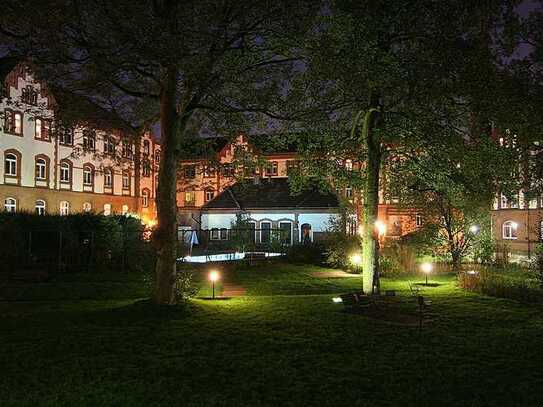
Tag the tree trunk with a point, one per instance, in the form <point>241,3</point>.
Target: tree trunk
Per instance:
<point>165,236</point>
<point>370,242</point>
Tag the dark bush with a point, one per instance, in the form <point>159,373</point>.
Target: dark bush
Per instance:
<point>78,242</point>
<point>517,285</point>
<point>306,254</point>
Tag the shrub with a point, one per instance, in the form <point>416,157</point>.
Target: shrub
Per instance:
<point>537,265</point>
<point>77,242</point>
<point>339,247</point>
<point>517,285</point>
<point>306,254</point>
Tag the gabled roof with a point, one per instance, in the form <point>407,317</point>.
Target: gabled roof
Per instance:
<point>7,64</point>
<point>270,193</point>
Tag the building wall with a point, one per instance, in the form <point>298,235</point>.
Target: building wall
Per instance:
<point>528,229</point>
<point>26,188</point>
<point>318,219</point>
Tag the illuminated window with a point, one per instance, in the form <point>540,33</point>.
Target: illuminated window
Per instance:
<point>272,168</point>
<point>10,205</point>
<point>64,208</point>
<point>40,207</point>
<point>418,220</point>
<point>509,230</point>
<point>145,198</point>
<point>87,207</point>
<point>190,198</point>
<point>107,209</point>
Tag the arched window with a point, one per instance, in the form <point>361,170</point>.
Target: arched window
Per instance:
<point>64,208</point>
<point>146,147</point>
<point>145,198</point>
<point>10,205</point>
<point>66,172</point>
<point>157,157</point>
<point>509,230</point>
<point>306,237</point>
<point>87,207</point>
<point>40,207</point>
<point>88,175</point>
<point>108,178</point>
<point>125,209</point>
<point>107,209</point>
<point>126,180</point>
<point>11,167</point>
<point>41,169</point>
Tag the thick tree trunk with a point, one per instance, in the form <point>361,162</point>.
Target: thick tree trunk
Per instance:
<point>165,236</point>
<point>370,242</point>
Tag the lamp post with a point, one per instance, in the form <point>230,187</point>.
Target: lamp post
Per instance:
<point>213,276</point>
<point>426,269</point>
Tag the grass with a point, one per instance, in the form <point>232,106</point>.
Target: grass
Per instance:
<point>285,344</point>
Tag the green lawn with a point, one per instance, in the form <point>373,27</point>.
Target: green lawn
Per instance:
<point>91,341</point>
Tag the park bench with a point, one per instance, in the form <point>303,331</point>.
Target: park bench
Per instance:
<point>356,300</point>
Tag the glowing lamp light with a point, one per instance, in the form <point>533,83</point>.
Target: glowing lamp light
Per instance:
<point>356,259</point>
<point>381,228</point>
<point>427,269</point>
<point>337,300</point>
<point>474,228</point>
<point>213,276</point>
<point>514,225</point>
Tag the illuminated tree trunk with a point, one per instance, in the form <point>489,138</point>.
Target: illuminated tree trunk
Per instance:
<point>165,236</point>
<point>370,242</point>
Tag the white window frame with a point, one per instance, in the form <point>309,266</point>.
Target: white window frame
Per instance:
<point>510,230</point>
<point>126,180</point>
<point>88,178</point>
<point>87,207</point>
<point>10,165</point>
<point>107,209</point>
<point>41,169</point>
<point>108,178</point>
<point>209,194</point>
<point>10,205</point>
<point>65,172</point>
<point>64,208</point>
<point>40,207</point>
<point>125,209</point>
